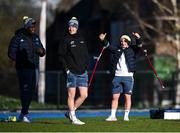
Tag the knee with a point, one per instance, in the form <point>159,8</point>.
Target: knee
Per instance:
<point>70,96</point>
<point>84,96</point>
<point>115,98</point>
<point>127,97</point>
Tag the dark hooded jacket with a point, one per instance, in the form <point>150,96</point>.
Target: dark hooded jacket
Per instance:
<point>23,49</point>
<point>131,54</point>
<point>74,53</point>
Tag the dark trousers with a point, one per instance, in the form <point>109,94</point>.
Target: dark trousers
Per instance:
<point>28,80</point>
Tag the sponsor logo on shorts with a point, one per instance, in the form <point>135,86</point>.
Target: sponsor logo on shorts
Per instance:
<point>69,83</point>
<point>81,41</point>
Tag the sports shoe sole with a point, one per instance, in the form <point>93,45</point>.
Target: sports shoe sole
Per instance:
<point>108,119</point>
<point>111,120</point>
<point>78,123</point>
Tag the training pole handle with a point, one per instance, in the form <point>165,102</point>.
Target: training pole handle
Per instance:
<point>154,70</point>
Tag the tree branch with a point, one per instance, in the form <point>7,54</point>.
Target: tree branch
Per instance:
<point>162,7</point>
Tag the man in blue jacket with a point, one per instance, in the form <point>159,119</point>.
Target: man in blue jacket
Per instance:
<point>123,68</point>
<point>25,48</point>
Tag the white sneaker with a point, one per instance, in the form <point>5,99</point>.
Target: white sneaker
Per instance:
<point>24,118</point>
<point>126,119</point>
<point>77,122</point>
<point>110,118</point>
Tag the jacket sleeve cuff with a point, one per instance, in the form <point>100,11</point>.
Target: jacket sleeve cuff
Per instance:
<point>139,42</point>
<point>105,43</point>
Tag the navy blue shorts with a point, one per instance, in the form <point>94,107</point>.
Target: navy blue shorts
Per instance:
<point>123,84</point>
<point>75,80</point>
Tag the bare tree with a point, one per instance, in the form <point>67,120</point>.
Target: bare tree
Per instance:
<point>158,21</point>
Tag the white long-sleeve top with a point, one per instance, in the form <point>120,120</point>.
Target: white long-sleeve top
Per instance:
<point>121,67</point>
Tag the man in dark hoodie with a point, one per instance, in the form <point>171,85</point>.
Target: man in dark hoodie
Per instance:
<point>74,58</point>
<point>25,48</point>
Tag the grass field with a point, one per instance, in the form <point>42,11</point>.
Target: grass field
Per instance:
<point>136,124</point>
<point>8,103</point>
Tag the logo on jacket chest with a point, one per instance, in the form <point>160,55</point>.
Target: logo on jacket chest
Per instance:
<point>72,44</point>
<point>119,50</point>
<point>22,40</point>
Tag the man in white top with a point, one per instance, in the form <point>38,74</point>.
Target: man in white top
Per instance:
<point>124,66</point>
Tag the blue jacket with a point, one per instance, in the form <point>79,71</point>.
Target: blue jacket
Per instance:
<point>130,55</point>
<point>23,49</point>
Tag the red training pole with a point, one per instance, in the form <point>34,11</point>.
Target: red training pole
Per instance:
<point>154,70</point>
<point>94,69</point>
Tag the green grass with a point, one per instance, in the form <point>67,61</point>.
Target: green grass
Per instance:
<point>8,103</point>
<point>136,124</point>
